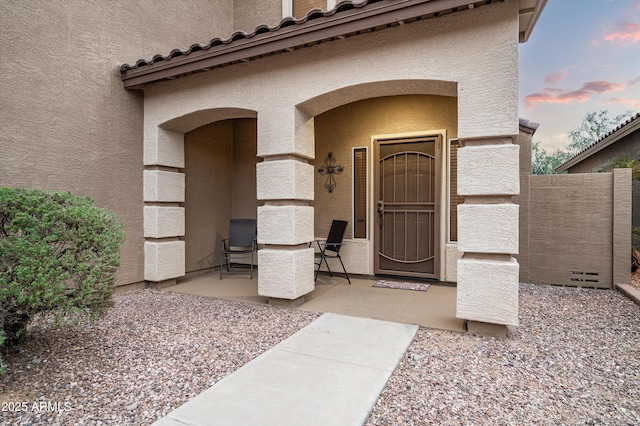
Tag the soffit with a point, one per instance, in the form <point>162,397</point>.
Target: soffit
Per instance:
<point>348,18</point>
<point>528,13</point>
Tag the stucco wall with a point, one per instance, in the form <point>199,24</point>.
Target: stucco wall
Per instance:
<point>523,201</point>
<point>571,229</point>
<point>245,203</point>
<point>67,122</point>
<point>248,14</point>
<point>208,172</point>
<point>426,57</point>
<point>629,146</point>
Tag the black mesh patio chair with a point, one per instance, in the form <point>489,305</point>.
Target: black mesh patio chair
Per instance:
<point>330,248</point>
<point>241,241</point>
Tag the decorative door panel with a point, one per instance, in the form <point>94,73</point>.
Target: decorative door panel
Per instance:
<point>407,179</point>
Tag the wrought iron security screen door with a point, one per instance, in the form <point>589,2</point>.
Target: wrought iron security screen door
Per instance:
<point>407,183</point>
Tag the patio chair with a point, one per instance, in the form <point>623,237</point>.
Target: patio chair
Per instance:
<point>241,241</point>
<point>330,248</point>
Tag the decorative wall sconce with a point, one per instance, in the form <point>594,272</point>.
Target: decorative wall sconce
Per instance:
<point>329,169</point>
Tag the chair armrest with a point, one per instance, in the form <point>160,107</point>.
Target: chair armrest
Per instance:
<point>319,243</point>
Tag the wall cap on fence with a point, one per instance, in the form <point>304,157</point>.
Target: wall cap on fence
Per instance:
<point>629,291</point>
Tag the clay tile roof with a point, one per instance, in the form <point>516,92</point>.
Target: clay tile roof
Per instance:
<point>311,15</point>
<point>623,129</point>
<point>348,17</point>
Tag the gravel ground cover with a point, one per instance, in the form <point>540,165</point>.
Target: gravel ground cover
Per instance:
<point>574,359</point>
<point>152,352</point>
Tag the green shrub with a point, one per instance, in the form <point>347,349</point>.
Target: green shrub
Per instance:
<point>623,162</point>
<point>58,254</point>
<point>2,367</point>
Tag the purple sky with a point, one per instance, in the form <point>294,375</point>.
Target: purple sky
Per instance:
<point>583,56</point>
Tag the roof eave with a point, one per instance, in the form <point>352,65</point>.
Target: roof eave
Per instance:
<point>312,31</point>
<point>527,126</point>
<point>529,11</point>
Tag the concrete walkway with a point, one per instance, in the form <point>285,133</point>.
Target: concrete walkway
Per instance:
<point>329,373</point>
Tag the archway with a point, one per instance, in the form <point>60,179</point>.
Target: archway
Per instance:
<point>350,132</point>
<point>177,242</point>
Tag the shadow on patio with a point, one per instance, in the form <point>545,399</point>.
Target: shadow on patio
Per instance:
<point>435,308</point>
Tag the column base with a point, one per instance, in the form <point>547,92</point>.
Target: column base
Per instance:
<point>486,329</point>
<point>164,260</point>
<point>285,273</point>
<point>287,303</point>
<point>158,285</point>
<point>126,288</point>
<point>488,291</point>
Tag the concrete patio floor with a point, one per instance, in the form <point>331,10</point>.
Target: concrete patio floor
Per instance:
<point>435,308</point>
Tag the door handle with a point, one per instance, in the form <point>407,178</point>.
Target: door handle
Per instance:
<point>380,209</point>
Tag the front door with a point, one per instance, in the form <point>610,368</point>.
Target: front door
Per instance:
<point>407,225</point>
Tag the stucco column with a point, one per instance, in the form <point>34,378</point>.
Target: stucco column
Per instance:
<point>285,222</point>
<point>488,176</point>
<point>622,219</point>
<point>164,219</point>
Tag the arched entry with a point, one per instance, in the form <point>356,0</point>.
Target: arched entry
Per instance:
<point>352,132</point>
<point>220,184</point>
<point>173,244</point>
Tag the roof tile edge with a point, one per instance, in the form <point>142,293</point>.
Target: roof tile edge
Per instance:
<point>611,137</point>
<point>346,17</point>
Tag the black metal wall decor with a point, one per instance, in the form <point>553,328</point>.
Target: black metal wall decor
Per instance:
<point>330,169</point>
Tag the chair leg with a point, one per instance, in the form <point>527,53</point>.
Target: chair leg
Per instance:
<point>222,259</point>
<point>318,268</point>
<point>328,268</point>
<point>251,274</point>
<point>344,269</point>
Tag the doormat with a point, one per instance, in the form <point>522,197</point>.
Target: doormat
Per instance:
<point>402,285</point>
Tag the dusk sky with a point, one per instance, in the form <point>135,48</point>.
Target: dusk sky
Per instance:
<point>583,56</point>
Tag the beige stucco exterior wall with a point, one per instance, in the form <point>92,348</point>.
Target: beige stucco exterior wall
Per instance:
<point>571,228</point>
<point>621,227</point>
<point>524,142</point>
<point>626,146</point>
<point>341,129</point>
<point>208,170</point>
<point>580,229</point>
<point>245,204</point>
<point>67,122</point>
<point>248,14</point>
<point>437,50</point>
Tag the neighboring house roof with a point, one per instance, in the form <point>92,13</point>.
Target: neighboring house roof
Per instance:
<point>348,18</point>
<point>528,126</point>
<point>624,129</point>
